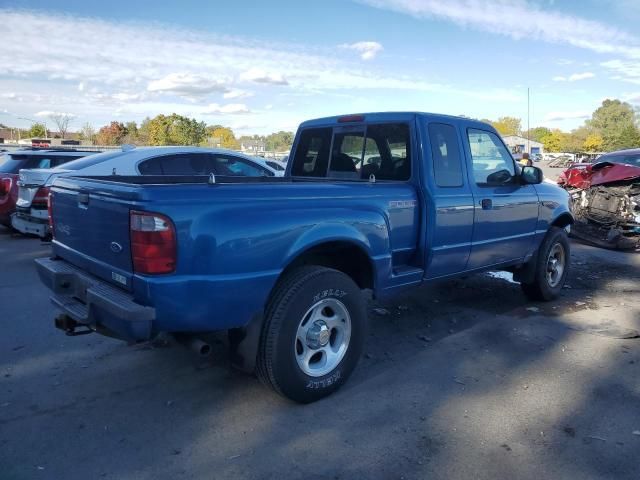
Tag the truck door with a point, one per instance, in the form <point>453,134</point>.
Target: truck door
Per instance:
<point>506,212</point>
<point>449,233</point>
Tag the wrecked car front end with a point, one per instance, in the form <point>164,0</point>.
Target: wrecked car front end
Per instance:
<point>605,201</point>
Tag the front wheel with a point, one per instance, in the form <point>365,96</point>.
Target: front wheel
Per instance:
<point>552,267</point>
<point>313,334</point>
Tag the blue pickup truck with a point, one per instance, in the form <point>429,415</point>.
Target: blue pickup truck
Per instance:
<point>371,203</point>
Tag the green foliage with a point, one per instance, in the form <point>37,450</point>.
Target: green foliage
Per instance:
<point>538,133</point>
<point>508,126</point>
<point>280,141</point>
<point>593,143</point>
<point>175,130</point>
<point>37,130</point>
<point>616,122</point>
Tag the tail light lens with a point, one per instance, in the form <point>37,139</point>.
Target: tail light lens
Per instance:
<point>41,199</point>
<point>50,211</point>
<point>153,243</point>
<point>5,185</point>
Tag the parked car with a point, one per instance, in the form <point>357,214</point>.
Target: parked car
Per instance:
<point>606,199</point>
<point>11,162</point>
<point>31,216</point>
<point>276,165</point>
<point>281,262</point>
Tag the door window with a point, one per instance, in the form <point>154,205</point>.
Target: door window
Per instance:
<point>150,167</point>
<point>445,152</point>
<point>492,162</point>
<point>347,153</point>
<point>312,153</point>
<point>235,166</point>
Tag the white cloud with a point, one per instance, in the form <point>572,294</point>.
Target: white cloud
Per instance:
<point>81,87</point>
<point>230,108</point>
<point>258,75</point>
<point>49,113</point>
<point>126,97</point>
<point>520,19</point>
<point>628,71</point>
<point>574,77</point>
<point>561,116</point>
<point>188,84</point>
<point>367,50</point>
<point>237,93</point>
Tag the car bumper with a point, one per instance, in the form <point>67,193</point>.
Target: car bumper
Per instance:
<point>95,303</point>
<point>30,225</point>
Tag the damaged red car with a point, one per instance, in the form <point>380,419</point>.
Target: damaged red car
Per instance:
<point>606,199</point>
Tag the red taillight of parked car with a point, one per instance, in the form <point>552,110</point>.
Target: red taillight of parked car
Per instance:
<point>153,243</point>
<point>50,211</point>
<point>41,198</point>
<point>5,186</point>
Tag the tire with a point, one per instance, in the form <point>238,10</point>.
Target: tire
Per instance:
<point>550,275</point>
<point>302,356</point>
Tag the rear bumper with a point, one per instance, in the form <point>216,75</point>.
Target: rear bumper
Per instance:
<point>95,303</point>
<point>30,225</point>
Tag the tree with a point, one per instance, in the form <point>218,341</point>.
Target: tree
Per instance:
<point>87,132</point>
<point>37,130</point>
<point>279,141</point>
<point>508,126</point>
<point>616,122</point>
<point>223,137</point>
<point>62,122</point>
<point>553,141</point>
<point>593,143</point>
<point>111,134</point>
<point>132,132</point>
<point>538,133</point>
<point>175,130</point>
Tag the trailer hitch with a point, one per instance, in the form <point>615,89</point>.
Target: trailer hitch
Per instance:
<point>70,327</point>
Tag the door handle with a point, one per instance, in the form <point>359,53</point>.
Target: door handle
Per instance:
<point>486,203</point>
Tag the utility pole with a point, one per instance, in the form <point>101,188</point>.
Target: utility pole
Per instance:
<point>528,126</point>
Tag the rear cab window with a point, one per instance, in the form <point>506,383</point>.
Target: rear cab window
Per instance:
<point>355,152</point>
<point>445,154</point>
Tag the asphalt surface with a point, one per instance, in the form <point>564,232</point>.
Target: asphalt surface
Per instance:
<point>464,379</point>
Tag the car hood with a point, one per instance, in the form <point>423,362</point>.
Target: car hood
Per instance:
<point>599,174</point>
<point>39,176</point>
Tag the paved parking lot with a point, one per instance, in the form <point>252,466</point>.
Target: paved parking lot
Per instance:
<point>463,379</point>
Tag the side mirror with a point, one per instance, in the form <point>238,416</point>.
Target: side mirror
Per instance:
<point>531,175</point>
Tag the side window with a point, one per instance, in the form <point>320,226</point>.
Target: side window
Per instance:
<point>312,153</point>
<point>392,141</point>
<point>186,164</point>
<point>346,155</point>
<point>445,152</point>
<point>150,167</point>
<point>38,162</point>
<point>492,162</point>
<point>372,159</point>
<point>234,166</point>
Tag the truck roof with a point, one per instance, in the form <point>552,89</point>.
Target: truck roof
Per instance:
<point>387,117</point>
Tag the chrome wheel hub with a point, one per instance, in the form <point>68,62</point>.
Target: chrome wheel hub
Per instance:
<point>556,262</point>
<point>323,337</point>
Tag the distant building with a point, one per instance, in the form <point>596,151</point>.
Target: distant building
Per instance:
<point>252,147</point>
<point>519,145</point>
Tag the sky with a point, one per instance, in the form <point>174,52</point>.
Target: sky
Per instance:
<point>260,67</point>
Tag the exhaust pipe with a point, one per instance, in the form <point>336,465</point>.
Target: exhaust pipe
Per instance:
<point>195,344</point>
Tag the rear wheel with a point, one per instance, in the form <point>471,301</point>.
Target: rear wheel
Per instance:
<point>552,267</point>
<point>313,334</point>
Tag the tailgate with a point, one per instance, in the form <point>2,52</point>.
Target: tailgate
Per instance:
<point>91,227</point>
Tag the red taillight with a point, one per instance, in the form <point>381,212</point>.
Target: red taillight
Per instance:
<point>351,118</point>
<point>5,185</point>
<point>50,211</point>
<point>41,198</point>
<point>153,243</point>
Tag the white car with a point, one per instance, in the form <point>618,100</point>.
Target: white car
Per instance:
<point>32,217</point>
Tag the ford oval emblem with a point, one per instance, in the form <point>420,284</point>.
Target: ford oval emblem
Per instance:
<point>116,247</point>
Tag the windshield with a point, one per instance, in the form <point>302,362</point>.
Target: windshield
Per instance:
<point>90,160</point>
<point>627,159</point>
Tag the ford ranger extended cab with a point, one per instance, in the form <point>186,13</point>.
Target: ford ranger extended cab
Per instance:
<point>374,202</point>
